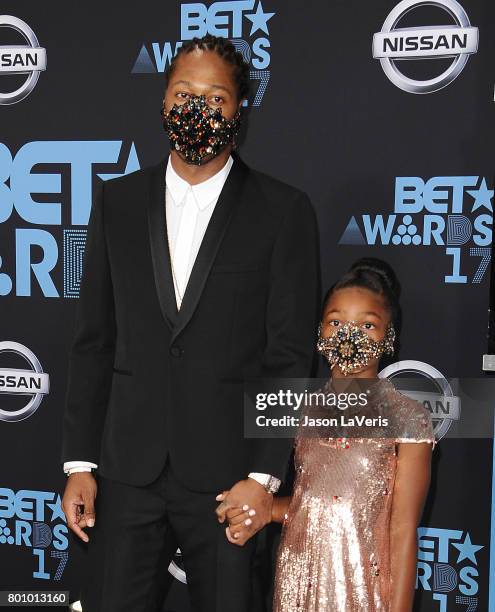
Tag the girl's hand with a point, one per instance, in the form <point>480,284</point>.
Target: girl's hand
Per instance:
<point>280,508</point>
<point>239,520</point>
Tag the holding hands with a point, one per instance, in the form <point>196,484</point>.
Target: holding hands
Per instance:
<point>248,507</point>
<point>236,504</point>
<point>240,521</point>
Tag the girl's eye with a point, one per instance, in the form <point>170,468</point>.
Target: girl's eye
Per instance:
<point>334,323</point>
<point>182,94</point>
<point>217,99</point>
<point>368,326</point>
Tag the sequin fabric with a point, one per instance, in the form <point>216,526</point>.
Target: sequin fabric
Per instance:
<point>334,548</point>
<point>351,348</point>
<point>197,130</point>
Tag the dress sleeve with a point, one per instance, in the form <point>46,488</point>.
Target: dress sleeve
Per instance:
<point>416,424</point>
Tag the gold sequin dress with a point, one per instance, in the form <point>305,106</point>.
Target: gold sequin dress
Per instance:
<point>334,549</point>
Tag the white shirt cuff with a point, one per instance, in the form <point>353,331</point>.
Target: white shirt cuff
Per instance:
<point>264,478</point>
<point>78,466</point>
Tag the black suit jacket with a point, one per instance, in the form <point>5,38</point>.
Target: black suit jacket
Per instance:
<point>145,380</point>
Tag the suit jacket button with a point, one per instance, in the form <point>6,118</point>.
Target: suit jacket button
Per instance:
<point>176,351</point>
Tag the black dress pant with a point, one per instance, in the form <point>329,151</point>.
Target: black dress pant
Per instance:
<point>136,534</point>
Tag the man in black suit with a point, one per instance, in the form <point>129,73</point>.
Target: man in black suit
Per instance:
<point>199,272</point>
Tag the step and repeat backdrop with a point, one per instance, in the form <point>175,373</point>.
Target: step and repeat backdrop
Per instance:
<point>381,111</point>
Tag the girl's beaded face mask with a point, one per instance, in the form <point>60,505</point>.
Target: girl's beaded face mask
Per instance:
<point>197,130</point>
<point>352,349</point>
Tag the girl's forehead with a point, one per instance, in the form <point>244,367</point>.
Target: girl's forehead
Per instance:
<point>355,298</point>
<point>354,293</point>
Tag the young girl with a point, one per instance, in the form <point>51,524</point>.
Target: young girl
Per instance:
<point>348,540</point>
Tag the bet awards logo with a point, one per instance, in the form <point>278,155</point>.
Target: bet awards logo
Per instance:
<point>453,212</point>
<point>448,567</point>
<point>31,382</point>
<point>246,27</point>
<point>454,41</point>
<point>28,59</point>
<point>435,394</point>
<point>33,521</point>
<point>43,241</point>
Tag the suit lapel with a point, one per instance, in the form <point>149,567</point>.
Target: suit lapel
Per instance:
<point>228,200</point>
<point>157,226</point>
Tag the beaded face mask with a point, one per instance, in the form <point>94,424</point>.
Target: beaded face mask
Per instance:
<point>197,130</point>
<point>351,348</point>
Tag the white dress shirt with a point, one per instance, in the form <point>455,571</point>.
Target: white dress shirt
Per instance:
<point>178,194</point>
<point>205,195</point>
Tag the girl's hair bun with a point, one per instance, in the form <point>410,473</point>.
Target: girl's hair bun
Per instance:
<point>381,269</point>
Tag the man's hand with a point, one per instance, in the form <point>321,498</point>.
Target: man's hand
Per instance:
<point>244,496</point>
<point>80,490</point>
